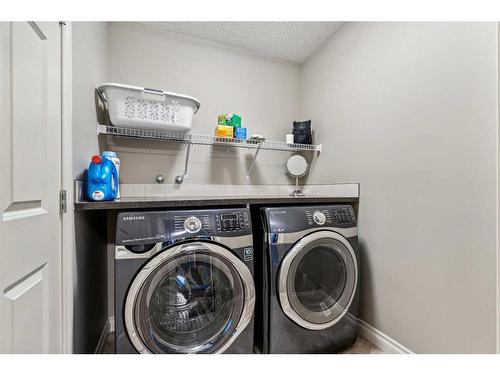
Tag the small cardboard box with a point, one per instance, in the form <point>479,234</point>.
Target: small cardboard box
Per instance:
<point>224,131</point>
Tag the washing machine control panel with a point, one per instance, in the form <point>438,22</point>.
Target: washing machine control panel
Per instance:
<point>192,224</point>
<point>318,217</point>
<point>223,222</point>
<point>150,227</point>
<point>232,221</point>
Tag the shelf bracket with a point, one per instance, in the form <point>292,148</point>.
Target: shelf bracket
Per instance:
<point>180,179</point>
<point>253,160</point>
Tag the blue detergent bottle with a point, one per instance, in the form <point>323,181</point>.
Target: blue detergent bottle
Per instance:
<point>102,179</point>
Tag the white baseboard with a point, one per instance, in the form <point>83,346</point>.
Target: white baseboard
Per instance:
<point>381,340</point>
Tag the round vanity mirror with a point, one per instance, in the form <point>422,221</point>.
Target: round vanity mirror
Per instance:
<point>297,166</point>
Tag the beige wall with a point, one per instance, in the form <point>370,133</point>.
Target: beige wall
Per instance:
<point>91,278</point>
<point>265,92</point>
<point>90,68</point>
<point>410,111</point>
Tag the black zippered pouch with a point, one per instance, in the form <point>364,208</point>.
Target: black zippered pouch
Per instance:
<point>302,132</point>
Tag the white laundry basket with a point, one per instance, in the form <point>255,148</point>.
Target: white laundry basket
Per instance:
<point>143,108</point>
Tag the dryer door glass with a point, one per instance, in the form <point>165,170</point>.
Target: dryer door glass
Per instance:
<point>319,281</point>
<point>190,302</point>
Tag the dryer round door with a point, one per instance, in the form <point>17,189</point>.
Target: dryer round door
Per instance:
<point>194,297</point>
<point>317,280</point>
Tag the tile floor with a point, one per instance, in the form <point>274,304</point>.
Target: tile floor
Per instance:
<point>362,346</point>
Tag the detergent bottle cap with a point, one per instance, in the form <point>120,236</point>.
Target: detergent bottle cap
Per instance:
<point>96,159</point>
<point>109,154</point>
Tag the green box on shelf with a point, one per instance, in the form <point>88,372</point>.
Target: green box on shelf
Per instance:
<point>236,120</point>
<point>233,120</point>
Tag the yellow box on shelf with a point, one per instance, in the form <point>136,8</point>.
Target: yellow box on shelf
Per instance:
<point>224,131</point>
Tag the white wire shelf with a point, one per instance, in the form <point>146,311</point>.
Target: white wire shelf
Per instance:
<point>203,139</point>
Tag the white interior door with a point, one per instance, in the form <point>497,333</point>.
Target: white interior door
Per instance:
<point>30,180</point>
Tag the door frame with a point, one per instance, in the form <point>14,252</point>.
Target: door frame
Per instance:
<point>67,218</point>
<point>498,196</point>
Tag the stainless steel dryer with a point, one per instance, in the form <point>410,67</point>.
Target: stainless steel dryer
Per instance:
<point>311,273</point>
<point>184,282</point>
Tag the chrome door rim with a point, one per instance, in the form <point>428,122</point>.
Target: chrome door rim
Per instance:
<point>168,254</point>
<point>283,278</point>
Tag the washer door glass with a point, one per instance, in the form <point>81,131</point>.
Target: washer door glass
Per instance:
<point>318,280</point>
<point>189,303</point>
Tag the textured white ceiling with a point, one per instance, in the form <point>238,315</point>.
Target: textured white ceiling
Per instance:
<point>294,41</point>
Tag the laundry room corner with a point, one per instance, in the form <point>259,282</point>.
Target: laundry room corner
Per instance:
<point>382,147</point>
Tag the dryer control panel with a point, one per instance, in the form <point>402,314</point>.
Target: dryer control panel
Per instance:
<point>343,215</point>
<point>295,219</point>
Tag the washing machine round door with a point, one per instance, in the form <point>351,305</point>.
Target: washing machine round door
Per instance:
<point>195,297</point>
<point>317,280</point>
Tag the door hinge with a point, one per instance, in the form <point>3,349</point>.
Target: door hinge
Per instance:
<point>63,201</point>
